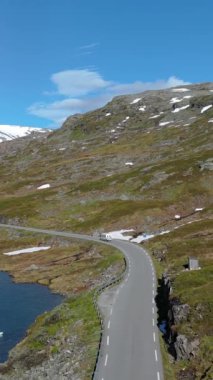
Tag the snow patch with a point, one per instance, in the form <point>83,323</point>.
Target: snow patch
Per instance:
<point>165,123</point>
<point>45,186</point>
<point>26,250</point>
<point>175,100</point>
<point>142,237</point>
<point>210,121</point>
<point>181,108</point>
<point>135,101</point>
<point>182,89</point>
<point>178,100</point>
<point>129,163</point>
<point>154,117</point>
<point>143,108</point>
<point>205,108</point>
<point>108,114</point>
<point>198,209</point>
<point>119,234</point>
<point>125,120</point>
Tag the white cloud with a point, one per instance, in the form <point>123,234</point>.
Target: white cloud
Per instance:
<point>58,111</point>
<point>78,82</point>
<point>132,88</point>
<point>85,90</point>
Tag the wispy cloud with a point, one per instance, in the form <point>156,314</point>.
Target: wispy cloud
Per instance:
<point>89,46</point>
<point>85,90</point>
<point>87,49</point>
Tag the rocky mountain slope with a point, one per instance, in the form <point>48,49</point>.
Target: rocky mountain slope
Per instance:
<point>142,162</point>
<point>11,132</point>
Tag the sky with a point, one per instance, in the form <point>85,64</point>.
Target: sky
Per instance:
<point>61,57</point>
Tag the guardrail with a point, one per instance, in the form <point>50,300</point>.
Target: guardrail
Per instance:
<point>98,291</point>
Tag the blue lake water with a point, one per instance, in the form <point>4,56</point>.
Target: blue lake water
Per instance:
<point>20,304</point>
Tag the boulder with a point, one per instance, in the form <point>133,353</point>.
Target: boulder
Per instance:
<point>185,349</point>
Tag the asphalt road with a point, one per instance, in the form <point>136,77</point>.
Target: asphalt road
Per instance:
<point>130,346</point>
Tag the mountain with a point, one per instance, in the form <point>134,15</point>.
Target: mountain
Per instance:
<point>11,132</point>
<point>142,162</point>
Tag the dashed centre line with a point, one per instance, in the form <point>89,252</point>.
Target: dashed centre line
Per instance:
<point>108,340</point>
<point>106,360</point>
<point>154,336</point>
<point>153,310</point>
<point>108,324</point>
<point>153,322</point>
<point>158,376</point>
<point>156,356</point>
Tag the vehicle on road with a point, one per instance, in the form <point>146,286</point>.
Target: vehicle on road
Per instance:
<point>104,236</point>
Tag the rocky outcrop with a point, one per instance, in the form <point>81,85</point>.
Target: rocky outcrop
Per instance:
<point>206,165</point>
<point>180,313</point>
<point>185,348</point>
<point>175,313</point>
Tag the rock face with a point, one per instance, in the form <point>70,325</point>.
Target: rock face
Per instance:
<point>175,313</point>
<point>185,349</point>
<point>207,165</point>
<point>180,313</point>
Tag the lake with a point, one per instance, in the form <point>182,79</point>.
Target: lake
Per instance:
<point>20,304</point>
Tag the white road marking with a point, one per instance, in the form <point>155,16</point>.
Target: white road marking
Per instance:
<point>108,324</point>
<point>153,322</point>
<point>153,292</point>
<point>153,310</point>
<point>106,359</point>
<point>158,376</point>
<point>108,340</point>
<point>156,356</point>
<point>111,311</point>
<point>153,285</point>
<point>153,301</point>
<point>154,336</point>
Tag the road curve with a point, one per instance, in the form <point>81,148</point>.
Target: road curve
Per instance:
<point>130,347</point>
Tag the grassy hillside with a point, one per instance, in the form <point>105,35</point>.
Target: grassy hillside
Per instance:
<point>71,330</point>
<point>126,166</point>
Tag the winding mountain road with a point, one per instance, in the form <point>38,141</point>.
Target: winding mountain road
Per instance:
<point>130,347</point>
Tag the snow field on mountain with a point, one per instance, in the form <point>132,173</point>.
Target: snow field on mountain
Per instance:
<point>10,132</point>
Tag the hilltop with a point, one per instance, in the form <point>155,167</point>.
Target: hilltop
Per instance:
<point>142,162</point>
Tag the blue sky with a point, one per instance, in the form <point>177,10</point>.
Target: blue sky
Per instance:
<point>59,57</point>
